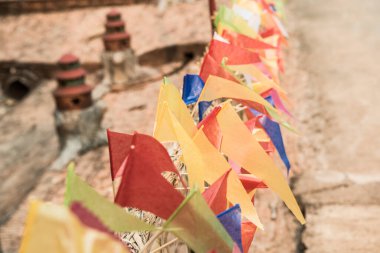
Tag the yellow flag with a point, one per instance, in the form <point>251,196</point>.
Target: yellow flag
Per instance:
<point>239,144</point>
<point>191,155</point>
<point>260,135</point>
<point>264,82</point>
<point>249,5</point>
<point>170,95</point>
<point>217,87</point>
<point>54,229</point>
<point>272,65</point>
<point>237,25</point>
<point>216,167</point>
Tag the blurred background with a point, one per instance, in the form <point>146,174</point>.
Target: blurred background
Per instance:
<point>332,74</point>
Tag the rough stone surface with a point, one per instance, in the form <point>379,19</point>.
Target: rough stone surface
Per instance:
<point>337,79</point>
<point>119,68</point>
<point>78,132</point>
<point>28,144</point>
<point>343,228</point>
<point>79,31</point>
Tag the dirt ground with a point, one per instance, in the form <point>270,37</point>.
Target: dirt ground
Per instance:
<point>331,77</point>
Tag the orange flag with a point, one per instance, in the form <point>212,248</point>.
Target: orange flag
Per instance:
<point>239,145</point>
<point>264,83</point>
<point>217,87</point>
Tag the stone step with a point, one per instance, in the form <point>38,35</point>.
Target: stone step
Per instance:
<point>342,228</point>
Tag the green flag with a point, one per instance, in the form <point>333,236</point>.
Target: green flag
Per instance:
<point>112,215</point>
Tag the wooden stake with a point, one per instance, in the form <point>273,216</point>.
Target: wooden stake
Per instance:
<point>212,8</point>
<point>150,242</point>
<point>164,245</point>
<point>113,189</point>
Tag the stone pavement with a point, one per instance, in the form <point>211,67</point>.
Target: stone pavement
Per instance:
<point>338,78</point>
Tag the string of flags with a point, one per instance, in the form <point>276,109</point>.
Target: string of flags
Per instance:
<point>226,127</point>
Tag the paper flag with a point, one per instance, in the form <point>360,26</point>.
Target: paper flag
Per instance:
<point>200,229</point>
<point>226,19</point>
<point>192,88</point>
<point>252,18</point>
<point>192,157</point>
<point>268,32</point>
<point>211,67</point>
<point>239,145</point>
<point>119,146</point>
<point>217,166</point>
<point>202,107</point>
<point>236,55</point>
<point>216,194</point>
<point>250,182</point>
<point>231,220</point>
<point>52,228</point>
<point>211,128</point>
<point>255,127</point>
<point>271,21</point>
<point>89,219</point>
<point>276,100</point>
<point>248,230</point>
<point>217,87</point>
<point>264,82</point>
<point>274,132</point>
<point>243,41</point>
<point>112,216</point>
<point>170,95</point>
<point>142,185</point>
<point>197,168</point>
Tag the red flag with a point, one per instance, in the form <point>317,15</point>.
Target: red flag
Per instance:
<point>217,51</point>
<point>119,146</point>
<point>142,185</point>
<point>89,219</point>
<point>253,123</point>
<point>250,183</point>
<point>243,41</point>
<point>215,195</point>
<point>248,230</point>
<point>211,128</point>
<point>212,67</point>
<point>236,55</point>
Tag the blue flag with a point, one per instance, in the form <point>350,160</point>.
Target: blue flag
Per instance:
<point>231,220</point>
<point>192,88</point>
<point>274,131</point>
